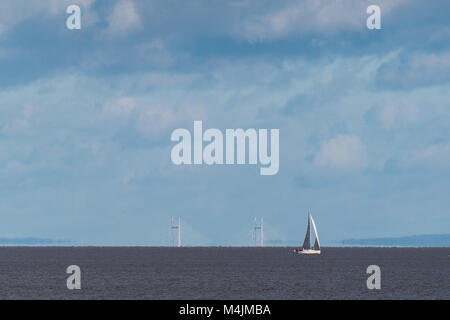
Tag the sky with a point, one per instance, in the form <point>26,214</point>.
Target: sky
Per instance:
<point>86,118</point>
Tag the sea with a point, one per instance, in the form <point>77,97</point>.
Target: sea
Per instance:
<point>223,273</point>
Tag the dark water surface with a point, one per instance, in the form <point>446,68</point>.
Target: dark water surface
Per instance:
<point>223,273</point>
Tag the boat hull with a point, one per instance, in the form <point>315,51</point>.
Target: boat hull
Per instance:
<point>308,252</point>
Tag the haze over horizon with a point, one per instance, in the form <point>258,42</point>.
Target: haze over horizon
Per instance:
<point>434,240</point>
<point>87,117</point>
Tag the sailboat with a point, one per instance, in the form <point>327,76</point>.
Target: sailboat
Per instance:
<point>306,249</point>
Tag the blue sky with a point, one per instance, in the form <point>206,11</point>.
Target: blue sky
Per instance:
<point>86,118</point>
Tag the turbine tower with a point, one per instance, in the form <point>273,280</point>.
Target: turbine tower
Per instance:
<point>178,228</point>
<point>258,232</point>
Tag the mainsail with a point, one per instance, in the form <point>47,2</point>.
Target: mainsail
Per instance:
<point>307,242</point>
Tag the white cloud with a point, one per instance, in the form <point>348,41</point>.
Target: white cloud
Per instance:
<point>431,62</point>
<point>155,53</point>
<point>342,152</point>
<point>416,69</point>
<point>322,16</point>
<point>123,19</point>
<point>433,155</point>
<point>398,112</point>
<point>152,117</point>
<point>154,121</point>
<point>119,107</point>
<point>22,122</point>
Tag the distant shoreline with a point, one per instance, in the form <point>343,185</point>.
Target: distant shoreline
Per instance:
<point>414,241</point>
<point>427,240</point>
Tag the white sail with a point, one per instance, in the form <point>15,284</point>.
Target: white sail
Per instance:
<point>316,240</point>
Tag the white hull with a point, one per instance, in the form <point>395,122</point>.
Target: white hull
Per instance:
<point>309,251</point>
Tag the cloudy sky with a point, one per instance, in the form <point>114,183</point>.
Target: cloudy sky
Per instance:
<point>86,118</point>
